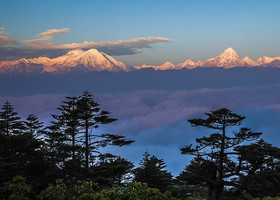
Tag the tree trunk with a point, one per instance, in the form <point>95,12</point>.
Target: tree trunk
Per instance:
<point>220,186</point>
<point>73,154</point>
<point>216,192</point>
<point>87,144</point>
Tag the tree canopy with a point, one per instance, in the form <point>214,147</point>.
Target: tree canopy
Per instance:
<point>220,147</point>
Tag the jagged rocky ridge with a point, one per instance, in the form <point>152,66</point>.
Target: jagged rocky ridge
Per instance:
<point>93,60</point>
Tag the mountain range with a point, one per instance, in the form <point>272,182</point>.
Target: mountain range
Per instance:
<point>92,60</point>
<point>227,59</point>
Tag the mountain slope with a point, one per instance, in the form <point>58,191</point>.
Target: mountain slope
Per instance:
<point>227,59</point>
<point>80,61</point>
<point>75,60</point>
<point>165,66</point>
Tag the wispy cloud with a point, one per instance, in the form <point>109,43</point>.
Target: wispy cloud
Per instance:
<point>120,47</point>
<point>4,40</point>
<point>42,45</point>
<point>146,110</point>
<point>46,36</point>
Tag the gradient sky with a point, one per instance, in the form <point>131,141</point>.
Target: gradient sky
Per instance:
<point>198,29</point>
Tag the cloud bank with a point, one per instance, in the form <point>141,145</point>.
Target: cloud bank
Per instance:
<point>157,119</point>
<point>135,44</point>
<point>6,40</point>
<point>42,45</point>
<point>146,110</point>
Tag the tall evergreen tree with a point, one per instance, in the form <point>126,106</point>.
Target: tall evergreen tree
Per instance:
<point>112,170</point>
<point>261,169</point>
<point>33,126</point>
<point>219,146</point>
<point>73,128</point>
<point>69,123</point>
<point>57,150</point>
<point>152,171</point>
<point>10,122</point>
<point>91,117</point>
<point>199,173</point>
<point>10,127</point>
<point>21,153</point>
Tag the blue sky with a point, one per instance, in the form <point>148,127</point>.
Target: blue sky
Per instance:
<point>198,29</point>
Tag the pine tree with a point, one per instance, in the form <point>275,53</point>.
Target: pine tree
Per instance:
<point>10,123</point>
<point>21,153</point>
<point>33,125</point>
<point>73,128</point>
<point>57,150</point>
<point>91,117</point>
<point>218,147</point>
<point>111,170</point>
<point>69,124</point>
<point>152,171</point>
<point>261,169</point>
<point>199,173</point>
<point>10,127</point>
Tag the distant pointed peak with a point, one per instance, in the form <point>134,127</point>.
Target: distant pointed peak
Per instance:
<point>229,49</point>
<point>92,51</point>
<point>167,63</point>
<point>229,52</point>
<point>75,52</point>
<point>189,61</point>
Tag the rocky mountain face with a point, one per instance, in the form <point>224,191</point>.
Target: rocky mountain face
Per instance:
<point>95,61</point>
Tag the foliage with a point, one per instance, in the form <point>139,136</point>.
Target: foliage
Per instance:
<point>187,191</point>
<point>219,149</point>
<point>152,171</point>
<point>262,169</point>
<point>30,152</point>
<point>16,189</point>
<point>134,191</point>
<point>72,130</point>
<point>68,189</point>
<point>21,151</point>
<point>111,170</point>
<point>10,123</point>
<point>86,190</point>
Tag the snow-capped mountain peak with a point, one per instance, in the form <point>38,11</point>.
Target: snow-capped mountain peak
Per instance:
<point>230,51</point>
<point>78,60</point>
<point>75,60</point>
<point>228,54</point>
<point>91,60</point>
<point>75,52</point>
<point>166,66</point>
<point>189,64</point>
<point>227,59</point>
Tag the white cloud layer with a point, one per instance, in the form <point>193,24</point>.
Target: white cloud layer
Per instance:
<point>41,42</point>
<point>4,40</point>
<point>47,35</point>
<point>42,45</point>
